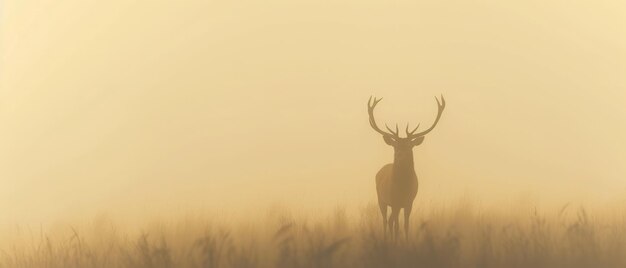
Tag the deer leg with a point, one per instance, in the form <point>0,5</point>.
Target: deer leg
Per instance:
<point>395,212</point>
<point>396,227</point>
<point>383,210</point>
<point>390,222</point>
<point>407,214</point>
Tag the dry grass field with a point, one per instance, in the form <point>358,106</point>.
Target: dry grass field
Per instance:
<point>441,237</point>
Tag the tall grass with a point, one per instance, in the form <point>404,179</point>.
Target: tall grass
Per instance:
<point>452,237</point>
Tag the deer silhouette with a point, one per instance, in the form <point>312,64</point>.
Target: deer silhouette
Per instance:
<point>396,183</point>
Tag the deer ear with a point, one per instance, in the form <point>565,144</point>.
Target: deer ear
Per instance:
<point>417,141</point>
<point>389,141</point>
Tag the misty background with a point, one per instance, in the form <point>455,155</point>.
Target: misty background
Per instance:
<point>146,107</point>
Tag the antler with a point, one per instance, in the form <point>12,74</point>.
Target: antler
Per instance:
<point>408,134</point>
<point>440,106</point>
<point>370,110</point>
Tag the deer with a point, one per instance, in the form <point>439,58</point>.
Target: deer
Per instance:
<point>396,183</point>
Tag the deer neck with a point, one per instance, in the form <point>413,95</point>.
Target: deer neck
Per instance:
<point>404,167</point>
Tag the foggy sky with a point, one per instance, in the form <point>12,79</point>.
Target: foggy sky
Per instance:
<point>161,105</point>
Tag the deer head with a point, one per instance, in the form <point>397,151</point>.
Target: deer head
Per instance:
<point>403,146</point>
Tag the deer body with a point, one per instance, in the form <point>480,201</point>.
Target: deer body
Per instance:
<point>396,183</point>
<point>395,191</point>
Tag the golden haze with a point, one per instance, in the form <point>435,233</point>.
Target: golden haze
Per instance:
<point>149,106</point>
